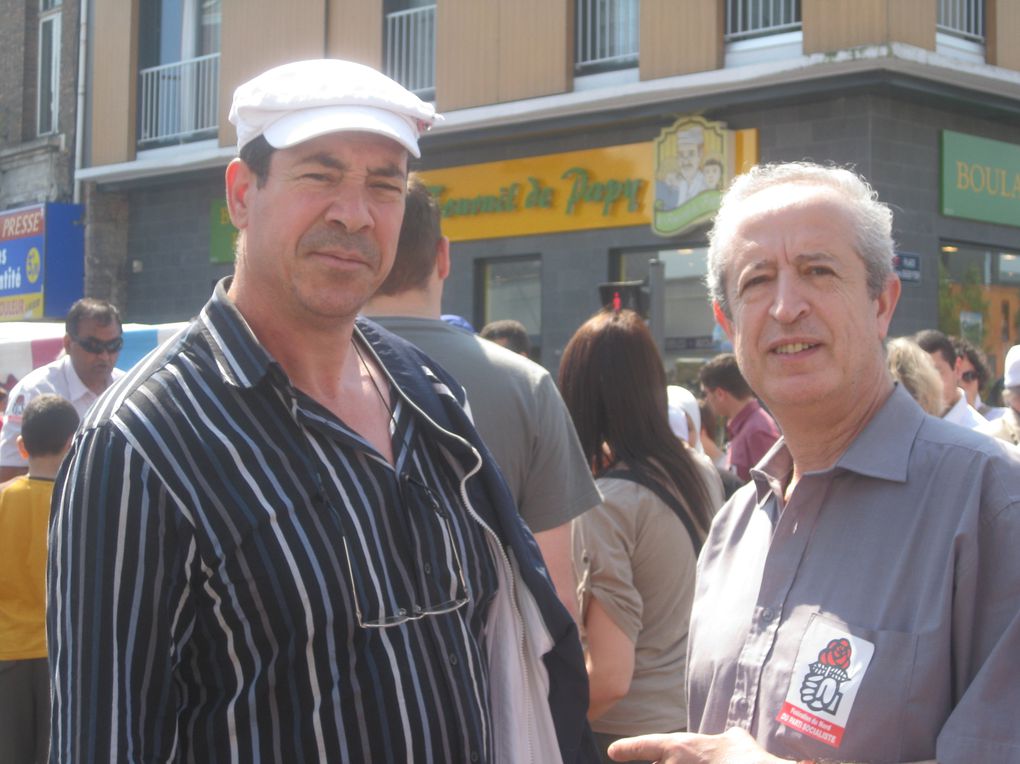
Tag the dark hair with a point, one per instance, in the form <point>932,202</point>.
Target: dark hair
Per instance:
<point>709,423</point>
<point>965,349</point>
<point>934,341</point>
<point>613,383</point>
<point>512,332</point>
<point>89,309</point>
<point>257,154</point>
<point>419,236</point>
<point>47,424</point>
<point>722,372</point>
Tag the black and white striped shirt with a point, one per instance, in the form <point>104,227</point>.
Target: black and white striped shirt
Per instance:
<point>221,547</point>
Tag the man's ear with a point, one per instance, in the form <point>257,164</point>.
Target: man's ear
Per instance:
<point>886,304</point>
<point>239,181</point>
<point>67,343</point>
<point>442,258</point>
<point>724,322</point>
<point>21,448</point>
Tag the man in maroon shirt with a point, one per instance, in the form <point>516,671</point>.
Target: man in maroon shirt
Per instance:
<point>750,429</point>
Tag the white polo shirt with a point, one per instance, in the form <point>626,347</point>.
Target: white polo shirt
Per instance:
<point>963,414</point>
<point>57,377</point>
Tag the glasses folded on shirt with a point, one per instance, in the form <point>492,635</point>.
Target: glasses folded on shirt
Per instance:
<point>441,586</point>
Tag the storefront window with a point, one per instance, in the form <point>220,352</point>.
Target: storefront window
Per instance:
<point>512,288</point>
<point>691,333</point>
<point>979,297</point>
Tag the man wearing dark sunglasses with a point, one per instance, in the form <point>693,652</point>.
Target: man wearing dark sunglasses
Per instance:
<point>92,342</point>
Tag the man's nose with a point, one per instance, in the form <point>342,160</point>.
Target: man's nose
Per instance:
<point>788,303</point>
<point>349,207</point>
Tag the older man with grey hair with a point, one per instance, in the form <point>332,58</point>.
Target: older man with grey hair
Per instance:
<point>859,600</point>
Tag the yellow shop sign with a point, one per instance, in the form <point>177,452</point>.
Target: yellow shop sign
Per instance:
<point>611,187</point>
<point>574,191</point>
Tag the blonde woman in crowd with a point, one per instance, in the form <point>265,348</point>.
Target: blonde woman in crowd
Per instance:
<point>914,369</point>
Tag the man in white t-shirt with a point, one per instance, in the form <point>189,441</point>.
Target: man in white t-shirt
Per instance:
<point>92,342</point>
<point>947,364</point>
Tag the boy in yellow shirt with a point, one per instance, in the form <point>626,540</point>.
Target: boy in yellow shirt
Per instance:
<point>48,423</point>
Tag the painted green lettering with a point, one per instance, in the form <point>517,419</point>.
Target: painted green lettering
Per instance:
<point>614,190</point>
<point>578,189</point>
<point>631,189</point>
<point>538,196</point>
<point>508,197</point>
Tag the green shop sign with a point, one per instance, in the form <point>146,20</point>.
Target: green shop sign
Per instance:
<point>980,179</point>
<point>222,234</point>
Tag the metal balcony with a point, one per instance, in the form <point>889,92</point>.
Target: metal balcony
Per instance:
<point>746,19</point>
<point>179,102</point>
<point>410,45</point>
<point>962,18</point>
<point>607,35</point>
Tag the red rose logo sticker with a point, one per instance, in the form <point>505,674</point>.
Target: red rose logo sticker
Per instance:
<point>820,689</point>
<point>837,654</point>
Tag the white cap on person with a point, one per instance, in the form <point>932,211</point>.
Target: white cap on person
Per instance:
<point>299,101</point>
<point>1012,375</point>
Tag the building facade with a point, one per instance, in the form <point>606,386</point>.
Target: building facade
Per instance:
<point>41,243</point>
<point>582,140</point>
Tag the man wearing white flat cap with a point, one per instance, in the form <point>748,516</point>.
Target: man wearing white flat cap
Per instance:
<point>1007,426</point>
<point>280,538</point>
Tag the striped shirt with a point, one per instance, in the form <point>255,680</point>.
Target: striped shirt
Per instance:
<point>223,552</point>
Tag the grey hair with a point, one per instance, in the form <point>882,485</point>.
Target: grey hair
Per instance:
<point>871,219</point>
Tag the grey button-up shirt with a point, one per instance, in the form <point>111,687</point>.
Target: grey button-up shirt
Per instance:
<point>876,616</point>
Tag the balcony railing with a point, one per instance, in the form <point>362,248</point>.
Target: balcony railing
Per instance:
<point>411,49</point>
<point>962,18</point>
<point>179,102</point>
<point>757,18</point>
<point>607,35</point>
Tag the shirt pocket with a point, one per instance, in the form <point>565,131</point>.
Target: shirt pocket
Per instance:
<point>847,692</point>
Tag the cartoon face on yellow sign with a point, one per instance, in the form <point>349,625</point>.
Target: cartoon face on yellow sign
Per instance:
<point>596,188</point>
<point>694,161</point>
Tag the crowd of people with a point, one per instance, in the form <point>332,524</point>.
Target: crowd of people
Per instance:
<point>326,522</point>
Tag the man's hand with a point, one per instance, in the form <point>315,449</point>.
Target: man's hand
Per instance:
<point>734,746</point>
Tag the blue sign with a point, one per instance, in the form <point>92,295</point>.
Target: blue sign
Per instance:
<point>907,266</point>
<point>41,261</point>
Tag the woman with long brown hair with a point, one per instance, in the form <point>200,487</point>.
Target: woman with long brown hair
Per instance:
<point>635,554</point>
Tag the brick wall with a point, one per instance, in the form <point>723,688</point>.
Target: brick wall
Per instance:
<point>12,69</point>
<point>33,168</point>
<point>106,244</point>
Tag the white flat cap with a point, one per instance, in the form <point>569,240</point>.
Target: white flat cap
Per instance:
<point>296,102</point>
<point>1012,375</point>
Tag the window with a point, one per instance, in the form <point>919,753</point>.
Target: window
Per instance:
<point>511,288</point>
<point>607,35</point>
<point>756,18</point>
<point>963,18</point>
<point>179,43</point>
<point>979,296</point>
<point>49,66</point>
<point>691,332</point>
<point>410,45</point>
